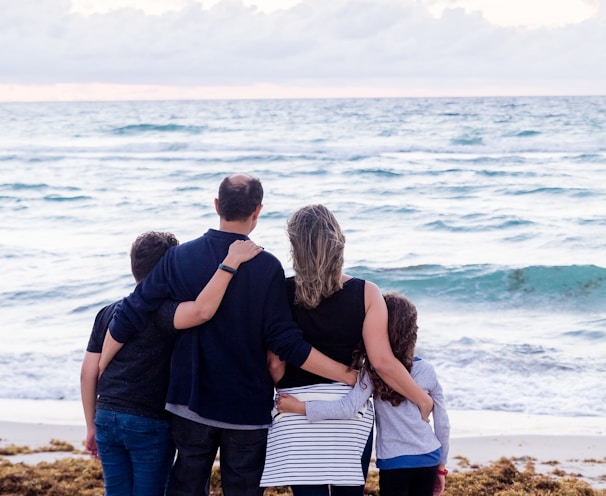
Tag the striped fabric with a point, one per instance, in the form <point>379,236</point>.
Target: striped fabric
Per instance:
<point>328,452</point>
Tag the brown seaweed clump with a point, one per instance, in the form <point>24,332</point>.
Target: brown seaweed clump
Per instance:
<point>83,477</point>
<point>66,476</point>
<point>502,478</point>
<point>53,446</point>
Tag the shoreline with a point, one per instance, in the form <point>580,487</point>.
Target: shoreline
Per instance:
<point>575,445</point>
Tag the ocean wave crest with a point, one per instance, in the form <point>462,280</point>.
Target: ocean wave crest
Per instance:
<point>573,287</point>
<point>159,128</point>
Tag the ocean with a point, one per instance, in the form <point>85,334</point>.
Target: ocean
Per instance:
<point>489,213</point>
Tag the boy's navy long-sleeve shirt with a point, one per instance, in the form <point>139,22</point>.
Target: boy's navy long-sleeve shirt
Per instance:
<point>219,369</point>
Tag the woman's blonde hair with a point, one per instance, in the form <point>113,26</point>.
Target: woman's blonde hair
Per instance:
<point>317,244</point>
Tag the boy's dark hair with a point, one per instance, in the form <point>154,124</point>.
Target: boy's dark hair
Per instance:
<point>147,250</point>
<point>239,199</point>
<point>402,329</point>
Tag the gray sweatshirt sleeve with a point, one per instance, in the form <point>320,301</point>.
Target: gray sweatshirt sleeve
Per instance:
<point>441,423</point>
<point>344,408</point>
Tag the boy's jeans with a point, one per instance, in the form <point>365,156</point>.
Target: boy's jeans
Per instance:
<point>136,453</point>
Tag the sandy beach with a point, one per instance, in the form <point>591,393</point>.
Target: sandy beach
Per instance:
<point>575,445</point>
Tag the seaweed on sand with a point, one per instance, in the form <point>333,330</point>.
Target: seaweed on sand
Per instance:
<point>83,477</point>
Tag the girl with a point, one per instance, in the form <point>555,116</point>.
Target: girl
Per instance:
<point>411,456</point>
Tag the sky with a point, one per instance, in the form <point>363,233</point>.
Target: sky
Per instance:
<point>183,49</point>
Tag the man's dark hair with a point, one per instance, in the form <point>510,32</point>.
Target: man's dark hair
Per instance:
<point>147,250</point>
<point>238,199</point>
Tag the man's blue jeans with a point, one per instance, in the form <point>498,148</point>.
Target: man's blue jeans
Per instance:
<point>136,453</point>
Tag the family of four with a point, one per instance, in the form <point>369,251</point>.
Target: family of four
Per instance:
<point>188,365</point>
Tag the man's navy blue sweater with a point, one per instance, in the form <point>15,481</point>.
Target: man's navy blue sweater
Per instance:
<point>219,369</point>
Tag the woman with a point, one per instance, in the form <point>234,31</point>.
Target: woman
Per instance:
<point>335,312</point>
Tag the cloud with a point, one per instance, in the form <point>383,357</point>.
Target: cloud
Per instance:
<point>534,13</point>
<point>363,43</point>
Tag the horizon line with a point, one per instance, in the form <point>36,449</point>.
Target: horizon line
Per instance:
<point>104,92</point>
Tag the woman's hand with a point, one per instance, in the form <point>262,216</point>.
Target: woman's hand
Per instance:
<point>426,407</point>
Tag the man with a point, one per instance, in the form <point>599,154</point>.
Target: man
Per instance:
<point>220,391</point>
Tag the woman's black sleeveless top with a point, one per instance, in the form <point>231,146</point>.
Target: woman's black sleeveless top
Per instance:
<point>334,327</point>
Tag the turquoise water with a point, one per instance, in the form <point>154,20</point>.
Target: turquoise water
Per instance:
<point>488,212</point>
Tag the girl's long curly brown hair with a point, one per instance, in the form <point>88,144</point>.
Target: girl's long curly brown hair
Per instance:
<point>402,330</point>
